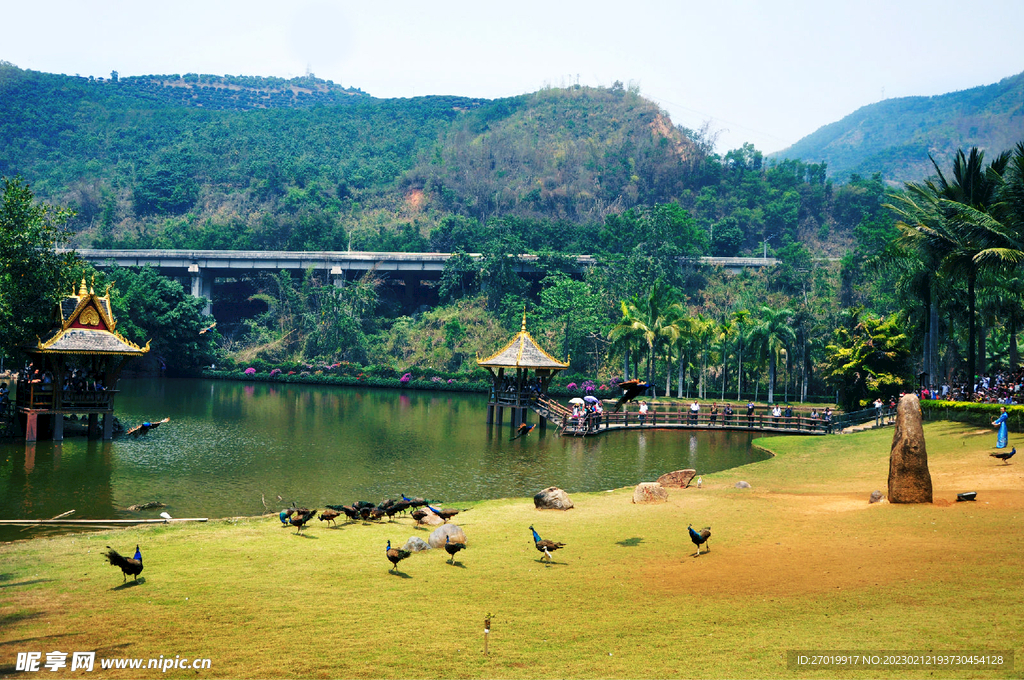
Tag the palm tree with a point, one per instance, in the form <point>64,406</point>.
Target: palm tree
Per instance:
<point>726,331</point>
<point>742,318</point>
<point>948,223</point>
<point>643,321</point>
<point>770,334</point>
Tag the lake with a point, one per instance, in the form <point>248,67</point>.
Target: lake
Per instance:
<point>231,447</point>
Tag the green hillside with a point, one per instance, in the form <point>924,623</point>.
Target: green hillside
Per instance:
<point>896,136</point>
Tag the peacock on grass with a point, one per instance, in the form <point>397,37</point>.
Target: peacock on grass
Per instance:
<point>452,548</point>
<point>699,538</point>
<point>130,566</point>
<point>395,555</point>
<point>545,546</point>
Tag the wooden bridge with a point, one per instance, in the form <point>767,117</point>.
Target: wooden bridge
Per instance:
<point>597,423</point>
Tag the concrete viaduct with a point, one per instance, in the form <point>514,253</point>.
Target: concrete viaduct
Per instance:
<point>204,267</point>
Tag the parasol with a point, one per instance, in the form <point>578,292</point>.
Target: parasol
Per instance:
<point>591,399</point>
<point>576,400</point>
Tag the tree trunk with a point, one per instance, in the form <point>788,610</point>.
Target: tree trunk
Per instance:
<point>679,377</point>
<point>1014,358</point>
<point>771,378</point>
<point>982,359</point>
<point>933,340</point>
<point>971,348</point>
<point>625,365</point>
<point>739,371</point>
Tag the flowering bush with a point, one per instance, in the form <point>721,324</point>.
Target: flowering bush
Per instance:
<point>451,380</point>
<point>603,387</point>
<point>588,386</point>
<point>275,372</point>
<point>291,372</point>
<point>436,379</point>
<point>571,387</point>
<point>615,382</point>
<point>405,378</point>
<point>250,371</point>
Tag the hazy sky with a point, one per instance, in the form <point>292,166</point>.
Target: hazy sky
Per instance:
<point>768,72</point>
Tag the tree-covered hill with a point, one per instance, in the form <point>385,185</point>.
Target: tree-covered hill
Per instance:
<point>895,136</point>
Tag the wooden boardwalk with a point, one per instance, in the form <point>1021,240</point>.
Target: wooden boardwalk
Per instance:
<point>607,421</point>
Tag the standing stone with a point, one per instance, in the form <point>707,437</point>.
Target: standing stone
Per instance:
<point>552,498</point>
<point>649,492</point>
<point>909,479</point>
<point>680,479</point>
<point>437,536</point>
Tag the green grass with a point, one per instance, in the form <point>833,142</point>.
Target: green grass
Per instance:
<point>799,561</point>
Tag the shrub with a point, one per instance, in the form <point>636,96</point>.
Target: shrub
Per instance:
<point>276,372</point>
<point>405,378</point>
<point>571,387</point>
<point>250,371</point>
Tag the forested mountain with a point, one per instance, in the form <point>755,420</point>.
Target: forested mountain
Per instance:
<point>895,136</point>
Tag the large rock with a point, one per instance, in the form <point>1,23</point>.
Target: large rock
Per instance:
<point>649,492</point>
<point>909,479</point>
<point>415,544</point>
<point>680,479</point>
<point>552,498</point>
<point>436,538</point>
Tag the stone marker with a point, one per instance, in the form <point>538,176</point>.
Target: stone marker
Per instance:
<point>680,479</point>
<point>436,539</point>
<point>876,496</point>
<point>650,492</point>
<point>552,498</point>
<point>909,479</point>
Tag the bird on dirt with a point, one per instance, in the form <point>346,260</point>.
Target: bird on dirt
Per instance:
<point>545,546</point>
<point>445,513</point>
<point>299,518</point>
<point>452,547</point>
<point>129,565</point>
<point>1005,457</point>
<point>700,538</point>
<point>395,555</point>
<point>329,515</point>
<point>631,389</point>
<point>523,430</point>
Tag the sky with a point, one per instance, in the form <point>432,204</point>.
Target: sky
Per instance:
<point>768,72</point>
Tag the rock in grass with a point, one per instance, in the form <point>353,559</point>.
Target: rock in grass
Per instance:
<point>909,479</point>
<point>742,485</point>
<point>552,498</point>
<point>876,496</point>
<point>452,531</point>
<point>680,479</point>
<point>649,492</point>
<point>416,544</point>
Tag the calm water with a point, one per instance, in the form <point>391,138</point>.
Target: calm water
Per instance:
<point>228,445</point>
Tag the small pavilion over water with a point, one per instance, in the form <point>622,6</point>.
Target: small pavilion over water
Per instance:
<point>75,370</point>
<point>512,385</point>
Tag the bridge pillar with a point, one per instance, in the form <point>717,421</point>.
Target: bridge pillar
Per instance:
<point>338,277</point>
<point>202,286</point>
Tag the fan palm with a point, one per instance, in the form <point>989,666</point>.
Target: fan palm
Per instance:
<point>770,334</point>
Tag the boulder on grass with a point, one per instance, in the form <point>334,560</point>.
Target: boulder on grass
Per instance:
<point>742,485</point>
<point>415,544</point>
<point>650,492</point>
<point>680,479</point>
<point>552,498</point>
<point>876,496</point>
<point>909,479</point>
<point>437,536</point>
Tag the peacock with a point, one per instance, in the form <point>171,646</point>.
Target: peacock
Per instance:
<point>349,511</point>
<point>445,514</point>
<point>300,517</point>
<point>395,555</point>
<point>1005,457</point>
<point>545,546</point>
<point>452,548</point>
<point>631,389</point>
<point>523,430</point>
<point>329,515</point>
<point>700,538</point>
<point>130,566</point>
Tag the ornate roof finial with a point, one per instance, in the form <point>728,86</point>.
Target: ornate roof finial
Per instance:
<point>92,285</point>
<point>523,329</point>
<point>83,290</point>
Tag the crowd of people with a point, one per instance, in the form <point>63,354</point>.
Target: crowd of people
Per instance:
<point>74,381</point>
<point>1003,387</point>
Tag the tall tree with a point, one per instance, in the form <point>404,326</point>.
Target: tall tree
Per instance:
<point>770,334</point>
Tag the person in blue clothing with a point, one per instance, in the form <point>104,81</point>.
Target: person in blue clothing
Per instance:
<point>1000,422</point>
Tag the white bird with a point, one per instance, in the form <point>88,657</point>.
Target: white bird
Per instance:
<point>700,481</point>
<point>165,515</point>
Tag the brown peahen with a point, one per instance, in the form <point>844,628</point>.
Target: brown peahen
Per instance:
<point>299,518</point>
<point>452,548</point>
<point>330,515</point>
<point>131,566</point>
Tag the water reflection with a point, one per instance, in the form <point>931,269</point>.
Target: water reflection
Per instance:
<point>230,445</point>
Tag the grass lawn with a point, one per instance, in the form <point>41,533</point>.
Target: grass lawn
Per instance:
<point>799,561</point>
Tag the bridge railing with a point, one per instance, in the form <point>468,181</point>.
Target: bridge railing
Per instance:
<point>593,422</point>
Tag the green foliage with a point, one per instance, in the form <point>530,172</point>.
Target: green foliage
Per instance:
<point>150,307</point>
<point>33,276</point>
<point>870,359</point>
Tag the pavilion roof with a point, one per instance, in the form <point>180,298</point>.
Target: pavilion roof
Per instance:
<point>86,325</point>
<point>522,352</point>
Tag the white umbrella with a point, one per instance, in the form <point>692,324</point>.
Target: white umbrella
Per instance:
<point>576,400</point>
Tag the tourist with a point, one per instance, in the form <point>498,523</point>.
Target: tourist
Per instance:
<point>827,419</point>
<point>789,416</point>
<point>878,412</point>
<point>776,414</point>
<point>643,412</point>
<point>750,414</point>
<point>814,419</point>
<point>1000,422</point>
<point>714,413</point>
<point>694,412</point>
